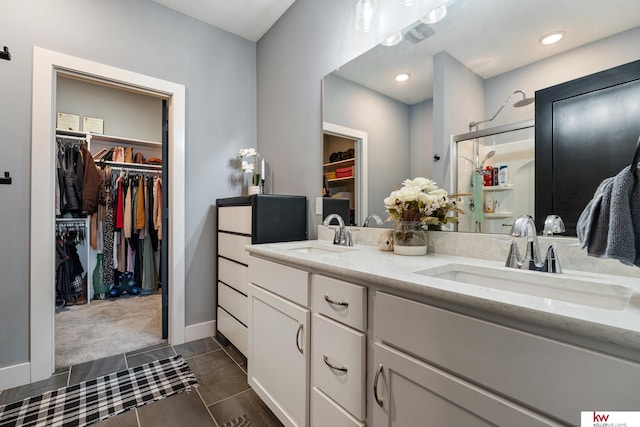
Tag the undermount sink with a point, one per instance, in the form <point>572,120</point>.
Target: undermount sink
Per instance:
<point>562,287</point>
<point>317,248</point>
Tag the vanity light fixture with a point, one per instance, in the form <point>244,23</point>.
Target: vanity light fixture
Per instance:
<point>406,2</point>
<point>402,77</point>
<point>367,15</point>
<point>393,39</point>
<point>435,15</point>
<point>552,38</point>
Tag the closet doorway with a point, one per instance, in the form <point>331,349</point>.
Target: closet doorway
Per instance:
<point>47,65</point>
<point>109,245</point>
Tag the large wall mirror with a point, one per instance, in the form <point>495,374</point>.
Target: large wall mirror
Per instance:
<point>462,69</point>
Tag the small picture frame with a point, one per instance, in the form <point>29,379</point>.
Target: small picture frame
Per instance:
<point>68,121</point>
<point>92,125</point>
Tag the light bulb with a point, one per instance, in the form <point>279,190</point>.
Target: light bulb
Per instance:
<point>367,16</point>
<point>393,39</point>
<point>552,38</point>
<point>435,15</point>
<point>402,77</point>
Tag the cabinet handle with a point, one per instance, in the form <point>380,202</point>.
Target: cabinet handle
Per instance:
<point>332,302</point>
<point>298,339</point>
<point>335,368</point>
<point>375,386</point>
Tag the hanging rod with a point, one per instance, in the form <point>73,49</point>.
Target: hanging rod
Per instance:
<point>78,138</point>
<point>135,169</point>
<point>71,220</point>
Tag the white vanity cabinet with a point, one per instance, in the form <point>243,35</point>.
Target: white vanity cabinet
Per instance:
<point>338,349</point>
<point>436,367</point>
<point>278,357</point>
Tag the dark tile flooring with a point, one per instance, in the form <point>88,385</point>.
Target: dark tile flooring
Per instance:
<point>223,394</point>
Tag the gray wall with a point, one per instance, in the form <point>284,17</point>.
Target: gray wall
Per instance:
<point>421,139</point>
<point>219,72</point>
<point>312,39</point>
<point>124,113</point>
<point>386,122</point>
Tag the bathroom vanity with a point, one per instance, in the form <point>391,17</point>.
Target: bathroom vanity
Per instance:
<point>360,337</point>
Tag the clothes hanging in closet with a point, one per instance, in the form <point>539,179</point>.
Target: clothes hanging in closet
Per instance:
<point>129,233</point>
<point>69,270</point>
<point>78,179</point>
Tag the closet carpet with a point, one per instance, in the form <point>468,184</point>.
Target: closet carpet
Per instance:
<point>106,328</point>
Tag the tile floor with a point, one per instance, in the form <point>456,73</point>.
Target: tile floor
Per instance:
<point>223,395</point>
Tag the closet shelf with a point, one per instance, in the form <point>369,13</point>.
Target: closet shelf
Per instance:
<point>340,163</point>
<point>497,215</point>
<point>340,179</point>
<point>110,138</point>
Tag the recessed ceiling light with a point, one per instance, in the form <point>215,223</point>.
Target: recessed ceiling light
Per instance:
<point>435,15</point>
<point>393,39</point>
<point>552,38</point>
<point>402,77</point>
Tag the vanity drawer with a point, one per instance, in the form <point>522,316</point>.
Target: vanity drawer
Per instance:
<point>233,302</point>
<point>555,378</point>
<point>354,313</point>
<point>325,412</point>
<point>338,345</point>
<point>288,282</point>
<point>233,330</point>
<point>236,219</point>
<point>234,274</point>
<point>232,246</point>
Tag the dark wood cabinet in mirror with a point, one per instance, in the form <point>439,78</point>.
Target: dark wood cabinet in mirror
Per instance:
<point>586,130</point>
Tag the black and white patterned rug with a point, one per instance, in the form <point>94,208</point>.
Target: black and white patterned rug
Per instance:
<point>103,397</point>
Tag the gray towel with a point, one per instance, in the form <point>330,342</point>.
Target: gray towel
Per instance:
<point>623,242</point>
<point>593,222</point>
<point>609,226</point>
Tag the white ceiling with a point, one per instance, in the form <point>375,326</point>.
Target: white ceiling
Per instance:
<point>490,37</point>
<point>249,19</point>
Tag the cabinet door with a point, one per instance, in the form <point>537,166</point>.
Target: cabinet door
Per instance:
<point>409,392</point>
<point>279,355</point>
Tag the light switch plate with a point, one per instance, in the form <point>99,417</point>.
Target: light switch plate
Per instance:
<point>318,205</point>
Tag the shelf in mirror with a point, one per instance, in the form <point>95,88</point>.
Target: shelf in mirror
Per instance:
<point>498,187</point>
<point>340,163</point>
<point>498,215</point>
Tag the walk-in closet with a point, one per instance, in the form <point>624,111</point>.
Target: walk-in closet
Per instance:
<point>109,249</point>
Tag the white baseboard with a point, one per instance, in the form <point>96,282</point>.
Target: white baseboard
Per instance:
<point>13,376</point>
<point>199,331</point>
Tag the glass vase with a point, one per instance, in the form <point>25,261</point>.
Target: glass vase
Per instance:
<point>99,288</point>
<point>409,238</point>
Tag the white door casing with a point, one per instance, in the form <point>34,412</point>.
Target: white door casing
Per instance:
<point>46,65</point>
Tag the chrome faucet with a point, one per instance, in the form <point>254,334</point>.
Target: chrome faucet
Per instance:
<point>342,236</point>
<point>524,226</point>
<point>374,217</point>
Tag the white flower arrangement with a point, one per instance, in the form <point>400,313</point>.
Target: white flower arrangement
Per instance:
<point>420,199</point>
<point>249,167</point>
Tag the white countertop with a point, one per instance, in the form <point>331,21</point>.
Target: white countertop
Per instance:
<point>368,265</point>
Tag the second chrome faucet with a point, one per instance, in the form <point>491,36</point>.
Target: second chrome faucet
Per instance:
<point>524,226</point>
<point>342,236</point>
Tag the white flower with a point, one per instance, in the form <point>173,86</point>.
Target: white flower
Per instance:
<point>246,167</point>
<point>408,193</point>
<point>423,184</point>
<point>247,152</point>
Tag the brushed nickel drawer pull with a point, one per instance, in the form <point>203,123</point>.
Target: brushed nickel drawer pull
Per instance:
<point>298,339</point>
<point>332,302</point>
<point>375,386</point>
<point>335,368</point>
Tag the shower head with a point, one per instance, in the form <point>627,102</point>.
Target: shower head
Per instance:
<point>489,155</point>
<point>523,102</point>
